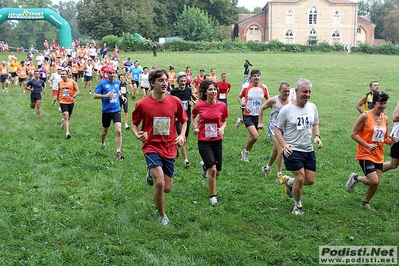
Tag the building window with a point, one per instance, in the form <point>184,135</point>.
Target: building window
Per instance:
<point>359,30</point>
<point>254,30</point>
<point>289,37</point>
<point>336,18</point>
<point>336,37</point>
<point>289,17</point>
<point>251,30</point>
<point>312,37</point>
<point>313,16</point>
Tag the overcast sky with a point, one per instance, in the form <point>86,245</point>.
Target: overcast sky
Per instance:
<point>250,4</point>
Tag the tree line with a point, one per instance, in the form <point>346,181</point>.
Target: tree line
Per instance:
<point>194,20</point>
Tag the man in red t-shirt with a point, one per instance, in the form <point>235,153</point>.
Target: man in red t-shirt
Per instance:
<point>224,88</point>
<point>156,114</point>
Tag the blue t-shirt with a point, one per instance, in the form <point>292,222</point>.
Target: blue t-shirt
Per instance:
<point>136,71</point>
<point>110,105</point>
<point>127,66</point>
<point>37,85</point>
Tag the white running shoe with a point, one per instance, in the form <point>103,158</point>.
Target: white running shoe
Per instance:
<point>164,221</point>
<point>213,200</point>
<point>238,123</point>
<point>350,185</point>
<point>244,156</point>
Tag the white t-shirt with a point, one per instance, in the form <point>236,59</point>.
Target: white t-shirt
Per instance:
<point>297,124</point>
<point>55,79</point>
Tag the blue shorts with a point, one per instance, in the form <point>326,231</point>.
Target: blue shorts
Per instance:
<point>251,120</point>
<point>167,165</point>
<point>299,159</point>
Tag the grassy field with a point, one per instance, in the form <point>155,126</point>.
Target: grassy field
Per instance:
<point>68,202</point>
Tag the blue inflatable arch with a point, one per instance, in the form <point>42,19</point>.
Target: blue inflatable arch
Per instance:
<point>40,14</point>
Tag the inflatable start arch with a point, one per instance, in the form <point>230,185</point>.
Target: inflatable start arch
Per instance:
<point>40,14</point>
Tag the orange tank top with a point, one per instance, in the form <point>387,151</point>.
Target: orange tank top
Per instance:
<point>66,90</point>
<point>375,133</point>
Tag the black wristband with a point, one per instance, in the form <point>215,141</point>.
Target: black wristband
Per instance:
<point>317,135</point>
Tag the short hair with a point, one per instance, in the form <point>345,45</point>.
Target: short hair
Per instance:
<point>221,75</point>
<point>380,96</point>
<point>302,81</point>
<point>284,83</point>
<point>255,72</point>
<point>371,83</point>
<point>179,75</point>
<point>156,73</point>
<point>203,86</point>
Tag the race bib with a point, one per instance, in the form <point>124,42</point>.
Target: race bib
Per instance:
<point>378,134</point>
<point>161,126</point>
<point>114,98</point>
<point>222,96</point>
<point>302,122</point>
<point>211,130</point>
<point>65,92</point>
<point>185,105</point>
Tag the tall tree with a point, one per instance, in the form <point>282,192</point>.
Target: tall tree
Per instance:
<point>391,27</point>
<point>378,11</point>
<point>98,18</point>
<point>194,24</point>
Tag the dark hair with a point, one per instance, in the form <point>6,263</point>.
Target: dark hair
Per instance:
<point>156,73</point>
<point>284,83</point>
<point>380,96</point>
<point>255,72</point>
<point>171,67</point>
<point>203,86</point>
<point>371,83</point>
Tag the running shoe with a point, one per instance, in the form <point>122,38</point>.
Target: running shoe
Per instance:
<point>119,155</point>
<point>102,145</point>
<point>350,185</point>
<point>164,221</point>
<point>278,179</point>
<point>127,126</point>
<point>367,206</point>
<point>287,188</point>
<point>244,156</point>
<point>297,210</point>
<point>68,136</point>
<point>149,179</point>
<point>266,171</point>
<point>204,171</point>
<point>213,200</point>
<point>187,164</point>
<point>238,123</point>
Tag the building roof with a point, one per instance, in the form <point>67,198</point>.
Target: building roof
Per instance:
<point>242,18</point>
<point>365,20</point>
<point>330,1</point>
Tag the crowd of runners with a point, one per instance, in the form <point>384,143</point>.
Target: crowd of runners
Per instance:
<point>173,104</point>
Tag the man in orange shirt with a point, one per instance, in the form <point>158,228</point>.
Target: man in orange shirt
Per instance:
<point>22,72</point>
<point>4,76</point>
<point>75,70</point>
<point>67,91</point>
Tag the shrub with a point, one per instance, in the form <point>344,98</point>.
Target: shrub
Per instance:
<point>324,47</point>
<point>130,42</point>
<point>388,48</point>
<point>365,48</point>
<point>111,41</point>
<point>276,46</point>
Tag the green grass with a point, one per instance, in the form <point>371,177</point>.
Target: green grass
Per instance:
<point>67,202</point>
